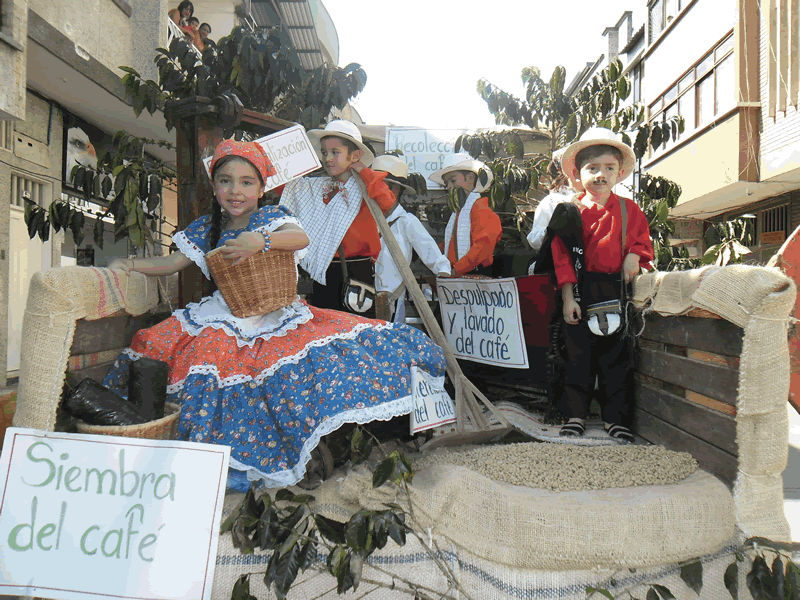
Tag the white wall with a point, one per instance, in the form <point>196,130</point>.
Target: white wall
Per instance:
<point>703,24</point>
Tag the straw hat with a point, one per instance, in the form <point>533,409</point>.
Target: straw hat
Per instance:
<point>395,168</point>
<point>596,136</point>
<point>463,162</point>
<point>345,130</point>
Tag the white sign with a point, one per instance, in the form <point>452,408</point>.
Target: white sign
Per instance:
<point>290,151</point>
<point>424,150</point>
<point>433,406</point>
<point>84,516</point>
<point>482,321</point>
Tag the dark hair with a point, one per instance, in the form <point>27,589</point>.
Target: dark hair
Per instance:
<point>185,4</point>
<point>215,230</point>
<point>206,25</point>
<point>556,174</point>
<point>591,152</point>
<point>193,20</point>
<point>351,145</point>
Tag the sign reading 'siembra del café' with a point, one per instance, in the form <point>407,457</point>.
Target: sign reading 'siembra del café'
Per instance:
<point>90,516</point>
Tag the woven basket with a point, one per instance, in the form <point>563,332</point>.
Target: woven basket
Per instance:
<point>261,283</point>
<point>165,428</point>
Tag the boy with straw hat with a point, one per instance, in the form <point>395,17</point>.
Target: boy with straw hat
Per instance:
<point>335,215</point>
<point>593,281</point>
<point>474,230</point>
<point>411,236</point>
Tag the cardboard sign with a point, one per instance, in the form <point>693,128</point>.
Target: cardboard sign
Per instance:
<point>290,151</point>
<point>481,320</point>
<point>85,516</point>
<point>424,150</point>
<point>433,406</point>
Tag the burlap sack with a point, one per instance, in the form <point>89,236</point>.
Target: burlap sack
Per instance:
<point>57,298</point>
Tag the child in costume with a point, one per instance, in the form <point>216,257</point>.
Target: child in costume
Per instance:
<point>474,230</point>
<point>269,386</point>
<point>335,215</point>
<point>590,273</point>
<point>411,236</point>
<point>560,191</point>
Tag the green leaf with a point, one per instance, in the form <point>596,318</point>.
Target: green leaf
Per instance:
<point>53,214</point>
<point>778,578</point>
<point>76,227</point>
<point>98,230</point>
<point>590,590</point>
<point>664,592</point>
<point>44,226</point>
<point>284,494</point>
<point>692,575</point>
<point>384,470</point>
<point>331,530</point>
<point>241,589</point>
<point>335,559</point>
<point>356,531</point>
<point>652,594</point>
<point>642,138</point>
<point>759,580</point>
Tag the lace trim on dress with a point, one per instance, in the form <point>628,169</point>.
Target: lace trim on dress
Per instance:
<point>382,412</point>
<point>213,312</point>
<point>191,251</point>
<point>239,379</point>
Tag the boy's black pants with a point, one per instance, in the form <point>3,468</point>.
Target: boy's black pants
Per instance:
<point>329,295</point>
<point>589,356</point>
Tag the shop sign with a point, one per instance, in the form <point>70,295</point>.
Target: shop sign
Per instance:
<point>424,150</point>
<point>433,406</point>
<point>481,320</point>
<point>98,517</point>
<point>773,238</point>
<point>290,151</point>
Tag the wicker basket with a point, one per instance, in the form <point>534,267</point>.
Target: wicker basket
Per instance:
<point>165,428</point>
<point>261,283</point>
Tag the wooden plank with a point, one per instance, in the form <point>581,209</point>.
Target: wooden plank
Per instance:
<point>711,357</point>
<point>110,332</point>
<point>714,405</point>
<point>715,381</point>
<point>708,425</point>
<point>96,372</point>
<point>712,459</point>
<point>711,335</point>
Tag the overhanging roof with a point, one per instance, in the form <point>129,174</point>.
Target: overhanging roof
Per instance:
<point>730,198</point>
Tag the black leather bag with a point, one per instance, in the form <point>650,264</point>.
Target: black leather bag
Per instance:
<point>354,295</point>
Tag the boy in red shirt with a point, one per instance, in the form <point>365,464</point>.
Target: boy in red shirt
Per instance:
<point>335,215</point>
<point>596,342</point>
<point>472,232</point>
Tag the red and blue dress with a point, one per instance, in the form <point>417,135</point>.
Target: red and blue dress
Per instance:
<point>271,386</point>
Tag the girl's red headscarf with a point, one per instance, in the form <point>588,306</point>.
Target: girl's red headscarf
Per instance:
<point>250,151</point>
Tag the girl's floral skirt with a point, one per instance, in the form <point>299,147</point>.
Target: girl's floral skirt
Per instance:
<point>272,399</point>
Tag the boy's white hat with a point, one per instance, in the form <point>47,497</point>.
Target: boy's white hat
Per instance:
<point>396,168</point>
<point>596,136</point>
<point>342,129</point>
<point>463,162</point>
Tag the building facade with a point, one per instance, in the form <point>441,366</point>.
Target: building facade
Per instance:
<point>62,99</point>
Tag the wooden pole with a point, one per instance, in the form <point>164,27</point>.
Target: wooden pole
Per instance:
<point>467,395</point>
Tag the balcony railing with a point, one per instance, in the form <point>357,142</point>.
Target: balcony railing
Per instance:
<point>177,32</point>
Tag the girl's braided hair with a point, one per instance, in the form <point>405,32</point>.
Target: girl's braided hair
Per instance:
<point>217,217</point>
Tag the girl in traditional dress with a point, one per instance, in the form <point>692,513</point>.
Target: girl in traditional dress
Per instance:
<point>268,386</point>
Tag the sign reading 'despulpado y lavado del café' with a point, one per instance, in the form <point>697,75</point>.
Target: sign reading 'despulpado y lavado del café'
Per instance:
<point>90,517</point>
<point>482,322</point>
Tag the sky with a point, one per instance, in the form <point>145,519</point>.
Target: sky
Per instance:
<point>423,58</point>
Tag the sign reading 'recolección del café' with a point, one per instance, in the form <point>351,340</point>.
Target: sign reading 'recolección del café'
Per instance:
<point>424,150</point>
<point>107,517</point>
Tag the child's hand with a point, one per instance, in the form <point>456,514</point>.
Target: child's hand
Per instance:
<point>630,267</point>
<point>244,246</point>
<point>572,311</point>
<point>121,264</point>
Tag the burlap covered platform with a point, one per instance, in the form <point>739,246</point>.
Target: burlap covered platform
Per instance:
<point>506,541</point>
<point>56,300</point>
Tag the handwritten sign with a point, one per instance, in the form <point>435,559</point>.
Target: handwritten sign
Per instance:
<point>424,150</point>
<point>482,322</point>
<point>290,151</point>
<point>107,517</point>
<point>433,406</point>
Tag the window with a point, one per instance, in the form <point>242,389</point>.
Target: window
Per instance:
<point>636,77</point>
<point>662,13</point>
<point>22,187</point>
<point>774,225</point>
<point>7,135</point>
<point>706,91</point>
